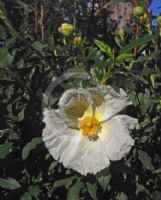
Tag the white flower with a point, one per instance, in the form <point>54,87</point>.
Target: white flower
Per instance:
<point>86,132</point>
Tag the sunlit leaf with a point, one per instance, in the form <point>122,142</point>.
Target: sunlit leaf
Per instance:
<point>124,56</point>
<point>104,47</point>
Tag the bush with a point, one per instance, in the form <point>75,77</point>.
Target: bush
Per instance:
<point>33,54</point>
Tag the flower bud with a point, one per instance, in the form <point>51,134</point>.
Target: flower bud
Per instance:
<point>121,33</point>
<point>77,40</point>
<point>144,17</point>
<point>159,21</point>
<point>138,11</point>
<point>66,29</point>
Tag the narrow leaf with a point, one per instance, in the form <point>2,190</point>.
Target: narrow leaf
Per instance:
<point>157,171</point>
<point>104,47</point>
<point>124,56</point>
<point>63,182</point>
<point>30,146</point>
<point>136,42</point>
<point>52,166</point>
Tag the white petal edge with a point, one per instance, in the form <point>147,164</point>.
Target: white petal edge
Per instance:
<point>111,107</point>
<point>110,93</point>
<point>115,136</point>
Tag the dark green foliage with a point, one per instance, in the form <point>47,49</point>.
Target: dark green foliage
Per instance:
<point>27,67</point>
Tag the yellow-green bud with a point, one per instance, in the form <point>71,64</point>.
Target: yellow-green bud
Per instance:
<point>121,33</point>
<point>138,11</point>
<point>77,40</point>
<point>144,17</point>
<point>66,29</point>
<point>159,21</point>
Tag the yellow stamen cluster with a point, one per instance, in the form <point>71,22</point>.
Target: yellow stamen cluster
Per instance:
<point>90,127</point>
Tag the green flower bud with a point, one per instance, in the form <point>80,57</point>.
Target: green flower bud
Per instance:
<point>138,11</point>
<point>66,29</point>
<point>159,21</point>
<point>121,33</point>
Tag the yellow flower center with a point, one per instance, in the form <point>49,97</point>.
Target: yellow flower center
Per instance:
<point>90,127</point>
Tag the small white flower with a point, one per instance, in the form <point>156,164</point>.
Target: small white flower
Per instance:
<point>86,132</point>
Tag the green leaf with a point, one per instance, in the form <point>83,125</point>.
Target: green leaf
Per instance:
<point>146,160</point>
<point>104,47</point>
<point>136,42</point>
<point>74,191</point>
<point>72,58</point>
<point>24,5</point>
<point>52,166</point>
<point>38,46</point>
<point>121,196</point>
<point>92,189</point>
<point>30,146</point>
<point>104,181</point>
<point>34,190</point>
<point>20,63</point>
<point>5,149</point>
<point>124,56</point>
<point>145,122</point>
<point>46,100</point>
<point>5,57</point>
<point>141,188</point>
<point>157,171</point>
<point>21,114</point>
<point>103,178</point>
<point>26,196</point>
<point>63,182</point>
<point>9,183</point>
<point>134,98</point>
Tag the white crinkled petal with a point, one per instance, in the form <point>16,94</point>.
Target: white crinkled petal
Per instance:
<point>113,106</point>
<point>115,136</point>
<point>93,158</point>
<point>70,147</point>
<point>110,93</point>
